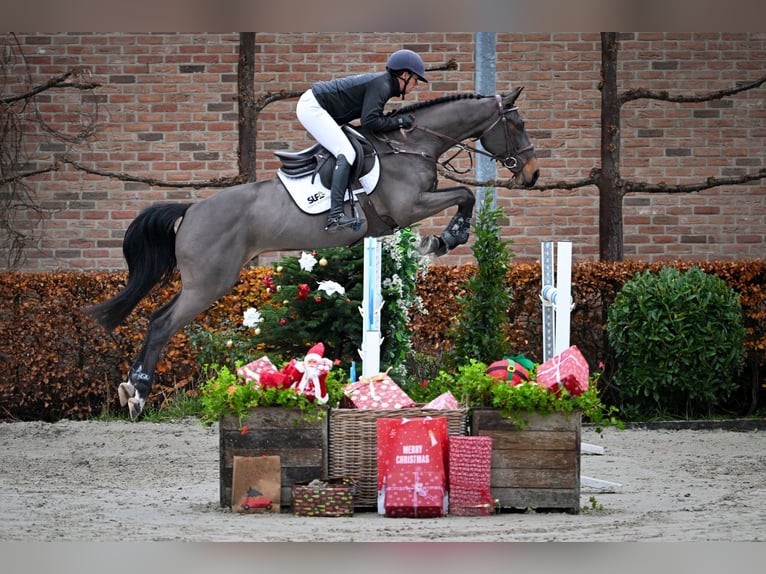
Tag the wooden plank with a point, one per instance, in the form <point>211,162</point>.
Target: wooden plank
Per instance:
<point>562,459</point>
<point>531,439</point>
<point>491,419</point>
<point>591,448</point>
<point>299,457</point>
<point>267,418</point>
<point>535,465</point>
<point>533,478</point>
<point>538,498</point>
<point>274,438</point>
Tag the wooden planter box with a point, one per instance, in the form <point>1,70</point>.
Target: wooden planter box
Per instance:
<point>535,466</point>
<point>301,445</point>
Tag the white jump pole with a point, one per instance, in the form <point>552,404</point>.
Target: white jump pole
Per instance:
<point>556,296</point>
<point>372,303</point>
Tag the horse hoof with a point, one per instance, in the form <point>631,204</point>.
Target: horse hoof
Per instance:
<point>126,391</point>
<point>135,406</point>
<point>428,245</point>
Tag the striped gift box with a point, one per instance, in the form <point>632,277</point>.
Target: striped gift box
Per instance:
<point>470,461</point>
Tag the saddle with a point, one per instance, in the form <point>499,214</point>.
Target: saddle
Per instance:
<point>299,171</point>
<point>316,160</point>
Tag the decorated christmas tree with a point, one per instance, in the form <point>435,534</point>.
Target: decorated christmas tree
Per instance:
<point>312,298</point>
<point>315,297</point>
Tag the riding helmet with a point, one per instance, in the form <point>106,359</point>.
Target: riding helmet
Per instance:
<point>407,60</point>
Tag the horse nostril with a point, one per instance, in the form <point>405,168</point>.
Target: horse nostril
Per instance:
<point>532,181</point>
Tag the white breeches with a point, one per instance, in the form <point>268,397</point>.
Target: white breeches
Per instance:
<point>320,124</point>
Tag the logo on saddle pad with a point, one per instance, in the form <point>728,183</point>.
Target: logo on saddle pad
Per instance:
<point>307,174</point>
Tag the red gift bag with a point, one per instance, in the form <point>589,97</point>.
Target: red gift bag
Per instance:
<point>412,463</point>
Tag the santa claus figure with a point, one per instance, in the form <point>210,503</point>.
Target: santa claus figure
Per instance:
<point>314,369</point>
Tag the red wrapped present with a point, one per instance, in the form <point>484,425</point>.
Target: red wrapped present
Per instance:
<point>252,371</point>
<point>445,401</point>
<point>412,460</point>
<point>414,494</point>
<point>568,369</point>
<point>378,392</point>
<point>470,461</point>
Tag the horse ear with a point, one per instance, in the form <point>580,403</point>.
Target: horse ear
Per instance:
<point>509,100</point>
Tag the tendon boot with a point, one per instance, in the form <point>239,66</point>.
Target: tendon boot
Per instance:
<point>337,218</point>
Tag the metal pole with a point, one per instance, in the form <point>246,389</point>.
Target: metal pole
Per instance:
<point>486,68</point>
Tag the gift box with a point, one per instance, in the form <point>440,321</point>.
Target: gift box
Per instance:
<point>568,369</point>
<point>414,494</point>
<point>470,462</point>
<point>332,497</point>
<point>253,370</point>
<point>379,392</point>
<point>445,401</point>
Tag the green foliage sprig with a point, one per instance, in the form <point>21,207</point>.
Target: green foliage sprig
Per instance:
<point>401,267</point>
<point>473,387</point>
<point>228,393</point>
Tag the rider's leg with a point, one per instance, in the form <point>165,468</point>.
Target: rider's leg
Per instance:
<point>327,132</point>
<point>337,219</point>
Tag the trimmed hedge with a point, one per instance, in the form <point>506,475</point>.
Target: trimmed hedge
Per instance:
<point>57,363</point>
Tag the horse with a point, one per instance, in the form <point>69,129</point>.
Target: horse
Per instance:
<point>211,240</point>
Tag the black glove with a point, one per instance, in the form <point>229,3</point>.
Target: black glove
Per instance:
<point>405,121</point>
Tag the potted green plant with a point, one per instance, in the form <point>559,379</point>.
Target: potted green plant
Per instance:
<point>254,420</point>
<point>535,433</point>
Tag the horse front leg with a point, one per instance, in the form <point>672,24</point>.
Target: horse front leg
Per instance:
<point>457,230</point>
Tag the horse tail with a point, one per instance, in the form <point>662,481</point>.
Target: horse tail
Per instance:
<point>149,250</point>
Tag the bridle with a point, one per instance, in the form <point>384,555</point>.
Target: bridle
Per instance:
<point>512,157</point>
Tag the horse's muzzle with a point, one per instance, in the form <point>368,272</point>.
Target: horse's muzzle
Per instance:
<point>529,173</point>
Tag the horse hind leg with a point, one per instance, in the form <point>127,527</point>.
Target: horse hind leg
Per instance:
<point>134,392</point>
<point>164,323</point>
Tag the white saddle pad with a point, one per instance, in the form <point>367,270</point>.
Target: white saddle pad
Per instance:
<point>314,198</point>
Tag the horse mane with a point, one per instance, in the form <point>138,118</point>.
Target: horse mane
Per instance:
<point>428,103</point>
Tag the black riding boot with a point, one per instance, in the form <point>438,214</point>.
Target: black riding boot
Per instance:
<point>337,218</point>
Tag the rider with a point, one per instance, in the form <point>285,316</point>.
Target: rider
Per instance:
<point>326,106</point>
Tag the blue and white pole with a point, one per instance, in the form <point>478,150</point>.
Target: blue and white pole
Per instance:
<point>372,303</point>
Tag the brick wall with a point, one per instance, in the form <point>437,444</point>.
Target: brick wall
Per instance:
<point>167,110</point>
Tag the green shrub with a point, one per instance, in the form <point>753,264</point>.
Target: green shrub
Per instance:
<point>677,341</point>
<point>480,331</point>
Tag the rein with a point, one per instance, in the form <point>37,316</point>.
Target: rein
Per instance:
<point>509,160</point>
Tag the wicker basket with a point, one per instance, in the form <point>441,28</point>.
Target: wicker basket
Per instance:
<point>352,444</point>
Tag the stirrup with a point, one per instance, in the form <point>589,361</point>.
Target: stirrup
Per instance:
<point>341,221</point>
